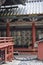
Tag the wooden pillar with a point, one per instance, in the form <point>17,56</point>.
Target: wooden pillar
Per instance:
<point>9,51</point>
<point>8,29</point>
<point>12,52</point>
<point>5,54</point>
<point>33,34</point>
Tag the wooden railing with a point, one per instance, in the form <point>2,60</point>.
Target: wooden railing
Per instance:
<point>6,41</point>
<point>6,44</point>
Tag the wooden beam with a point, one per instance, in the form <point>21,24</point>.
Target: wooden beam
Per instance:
<point>23,23</point>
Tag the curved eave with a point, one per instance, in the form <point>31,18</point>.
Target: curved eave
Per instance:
<point>21,15</point>
<point>13,2</point>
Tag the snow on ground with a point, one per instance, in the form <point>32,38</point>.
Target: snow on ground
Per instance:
<point>25,60</point>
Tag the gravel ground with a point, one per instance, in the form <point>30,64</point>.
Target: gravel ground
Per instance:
<point>25,60</point>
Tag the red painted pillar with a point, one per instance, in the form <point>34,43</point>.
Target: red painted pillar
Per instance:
<point>5,54</point>
<point>33,34</point>
<point>8,29</point>
<point>40,50</point>
<point>12,53</point>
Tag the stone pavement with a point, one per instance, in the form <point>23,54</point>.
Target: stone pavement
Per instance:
<point>25,60</point>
